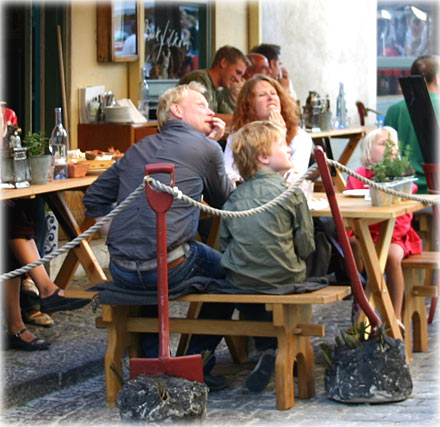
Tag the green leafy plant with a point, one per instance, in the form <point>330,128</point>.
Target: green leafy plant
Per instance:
<point>37,143</point>
<point>392,166</point>
<point>355,337</point>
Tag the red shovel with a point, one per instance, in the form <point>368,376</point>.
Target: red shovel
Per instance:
<point>189,367</point>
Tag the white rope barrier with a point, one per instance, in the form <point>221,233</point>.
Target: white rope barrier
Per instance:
<point>177,194</point>
<point>78,239</point>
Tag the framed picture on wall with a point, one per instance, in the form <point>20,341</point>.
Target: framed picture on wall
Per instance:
<point>118,31</point>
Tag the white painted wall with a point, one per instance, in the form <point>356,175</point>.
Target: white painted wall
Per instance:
<point>324,42</point>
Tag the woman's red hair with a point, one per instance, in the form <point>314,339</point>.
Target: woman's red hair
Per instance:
<point>245,111</point>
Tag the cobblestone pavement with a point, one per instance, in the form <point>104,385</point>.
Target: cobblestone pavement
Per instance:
<point>83,403</point>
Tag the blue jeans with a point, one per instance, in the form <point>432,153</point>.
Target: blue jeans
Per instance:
<point>200,260</point>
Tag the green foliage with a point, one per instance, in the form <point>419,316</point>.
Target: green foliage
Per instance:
<point>355,337</point>
<point>37,143</point>
<point>391,166</point>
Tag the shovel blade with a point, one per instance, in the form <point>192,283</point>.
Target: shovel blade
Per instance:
<point>188,367</point>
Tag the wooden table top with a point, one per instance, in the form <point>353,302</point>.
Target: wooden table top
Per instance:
<point>357,207</point>
<point>55,185</point>
<point>340,133</point>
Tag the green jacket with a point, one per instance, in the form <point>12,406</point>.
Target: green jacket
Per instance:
<point>266,250</point>
<point>398,118</point>
<point>219,100</point>
<point>203,77</point>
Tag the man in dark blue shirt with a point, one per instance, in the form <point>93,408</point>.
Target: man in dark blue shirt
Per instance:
<point>188,130</point>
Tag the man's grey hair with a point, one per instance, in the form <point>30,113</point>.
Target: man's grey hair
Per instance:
<point>174,95</point>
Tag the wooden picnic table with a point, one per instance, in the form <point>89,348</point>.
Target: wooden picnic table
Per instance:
<point>52,193</point>
<point>358,214</point>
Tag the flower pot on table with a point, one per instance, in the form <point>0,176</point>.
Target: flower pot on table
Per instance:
<point>380,198</point>
<point>40,169</point>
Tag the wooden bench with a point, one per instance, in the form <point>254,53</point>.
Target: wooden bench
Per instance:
<point>292,325</point>
<point>414,311</point>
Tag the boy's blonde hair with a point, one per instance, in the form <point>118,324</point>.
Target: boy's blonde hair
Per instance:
<point>251,140</point>
<point>369,139</point>
<point>174,95</point>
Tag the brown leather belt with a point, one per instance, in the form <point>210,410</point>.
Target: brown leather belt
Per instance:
<point>176,262</point>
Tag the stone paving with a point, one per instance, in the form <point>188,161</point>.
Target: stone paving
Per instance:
<point>76,354</point>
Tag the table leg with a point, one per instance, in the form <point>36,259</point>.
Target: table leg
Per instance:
<point>372,257</point>
<point>345,156</point>
<point>82,253</point>
<point>353,142</point>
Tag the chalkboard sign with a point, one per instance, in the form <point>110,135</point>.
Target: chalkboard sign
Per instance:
<point>422,115</point>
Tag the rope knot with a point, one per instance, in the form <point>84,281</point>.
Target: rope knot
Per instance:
<point>177,193</point>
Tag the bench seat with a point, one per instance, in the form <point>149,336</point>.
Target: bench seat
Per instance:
<point>291,325</point>
<point>414,314</point>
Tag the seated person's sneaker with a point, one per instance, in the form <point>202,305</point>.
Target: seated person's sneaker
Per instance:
<point>260,376</point>
<point>56,302</point>
<point>216,383</point>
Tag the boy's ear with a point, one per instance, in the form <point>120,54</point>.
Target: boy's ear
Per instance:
<point>263,159</point>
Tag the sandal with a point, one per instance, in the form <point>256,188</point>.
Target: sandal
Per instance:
<point>28,287</point>
<point>36,317</point>
<point>36,344</point>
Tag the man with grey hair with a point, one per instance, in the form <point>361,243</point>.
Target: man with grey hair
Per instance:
<point>186,139</point>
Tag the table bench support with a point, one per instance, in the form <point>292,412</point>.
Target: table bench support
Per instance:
<point>291,326</point>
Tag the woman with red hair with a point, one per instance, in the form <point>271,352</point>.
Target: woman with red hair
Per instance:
<point>263,98</point>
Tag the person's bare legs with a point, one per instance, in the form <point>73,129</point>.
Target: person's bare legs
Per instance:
<point>26,252</point>
<point>11,290</point>
<point>395,279</point>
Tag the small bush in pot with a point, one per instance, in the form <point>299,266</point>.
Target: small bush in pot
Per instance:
<point>37,145</point>
<point>393,166</point>
<point>391,172</point>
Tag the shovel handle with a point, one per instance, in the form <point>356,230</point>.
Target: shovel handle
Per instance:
<point>160,202</point>
<point>356,285</point>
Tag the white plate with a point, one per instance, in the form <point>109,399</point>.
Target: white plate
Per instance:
<point>358,192</point>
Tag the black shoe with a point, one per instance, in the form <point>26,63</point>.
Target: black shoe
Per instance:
<point>260,376</point>
<point>216,383</point>
<point>15,341</point>
<point>58,303</point>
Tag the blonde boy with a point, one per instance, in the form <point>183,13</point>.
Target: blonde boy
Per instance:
<point>266,251</point>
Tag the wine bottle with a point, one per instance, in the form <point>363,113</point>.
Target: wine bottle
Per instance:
<point>58,146</point>
<point>341,109</point>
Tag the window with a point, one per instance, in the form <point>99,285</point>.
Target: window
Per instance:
<point>404,32</point>
<point>176,38</point>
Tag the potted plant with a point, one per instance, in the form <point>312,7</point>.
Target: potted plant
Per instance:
<point>37,145</point>
<point>366,367</point>
<point>395,172</point>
